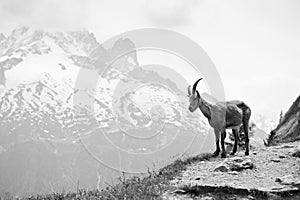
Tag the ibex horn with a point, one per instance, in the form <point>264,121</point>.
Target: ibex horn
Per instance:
<point>189,90</point>
<point>195,85</point>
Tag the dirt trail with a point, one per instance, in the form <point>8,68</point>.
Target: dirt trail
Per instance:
<point>275,175</point>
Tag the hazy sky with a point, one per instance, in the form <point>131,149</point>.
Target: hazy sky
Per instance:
<point>254,44</point>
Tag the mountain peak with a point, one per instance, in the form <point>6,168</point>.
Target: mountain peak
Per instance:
<point>2,37</point>
<point>20,30</point>
<point>24,38</point>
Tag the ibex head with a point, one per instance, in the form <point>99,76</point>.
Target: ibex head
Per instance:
<point>194,96</point>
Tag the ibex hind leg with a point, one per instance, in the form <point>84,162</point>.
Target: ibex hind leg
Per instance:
<point>217,136</point>
<point>236,140</point>
<point>246,119</point>
<point>223,136</point>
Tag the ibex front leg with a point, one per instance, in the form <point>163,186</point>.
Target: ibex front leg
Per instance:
<point>236,140</point>
<point>217,139</point>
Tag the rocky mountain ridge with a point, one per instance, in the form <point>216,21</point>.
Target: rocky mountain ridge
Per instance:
<point>288,128</point>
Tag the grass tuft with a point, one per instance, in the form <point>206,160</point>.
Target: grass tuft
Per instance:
<point>150,187</point>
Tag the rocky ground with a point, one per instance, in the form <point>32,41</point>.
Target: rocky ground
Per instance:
<point>268,173</point>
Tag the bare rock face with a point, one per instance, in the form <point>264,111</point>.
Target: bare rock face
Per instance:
<point>235,164</point>
<point>289,127</point>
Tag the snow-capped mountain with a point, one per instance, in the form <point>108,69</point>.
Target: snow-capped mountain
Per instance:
<point>39,69</point>
<point>53,143</point>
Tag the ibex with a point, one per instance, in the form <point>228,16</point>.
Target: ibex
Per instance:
<point>222,116</point>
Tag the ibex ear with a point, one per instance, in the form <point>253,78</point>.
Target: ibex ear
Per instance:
<point>198,95</point>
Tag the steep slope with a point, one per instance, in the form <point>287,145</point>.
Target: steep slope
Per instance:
<point>261,176</point>
<point>288,130</point>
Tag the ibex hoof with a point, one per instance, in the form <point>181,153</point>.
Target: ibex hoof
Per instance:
<point>246,153</point>
<point>215,154</point>
<point>232,153</point>
<point>223,155</point>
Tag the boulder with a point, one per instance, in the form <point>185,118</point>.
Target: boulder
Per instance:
<point>289,180</point>
<point>296,152</point>
<point>222,167</point>
<point>235,164</point>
